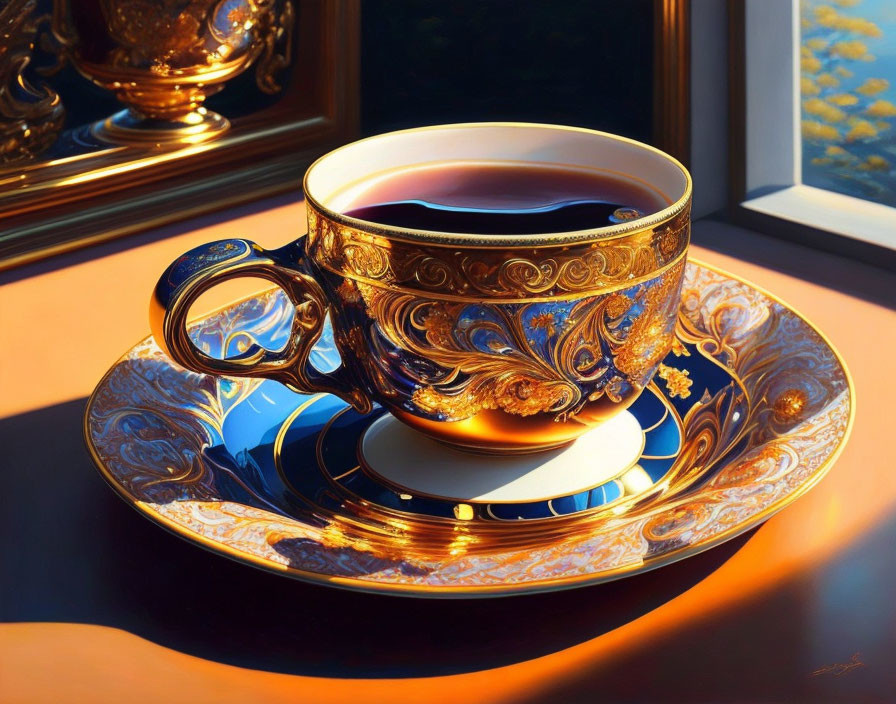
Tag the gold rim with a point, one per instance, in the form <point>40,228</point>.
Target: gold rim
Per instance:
<point>490,590</point>
<point>453,238</point>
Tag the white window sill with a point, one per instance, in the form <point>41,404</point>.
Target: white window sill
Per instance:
<point>833,212</point>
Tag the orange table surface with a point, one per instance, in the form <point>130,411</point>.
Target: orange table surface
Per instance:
<point>98,605</point>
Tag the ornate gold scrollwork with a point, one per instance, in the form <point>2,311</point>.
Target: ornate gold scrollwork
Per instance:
<point>279,30</point>
<point>595,349</point>
<point>500,272</point>
<point>30,116</point>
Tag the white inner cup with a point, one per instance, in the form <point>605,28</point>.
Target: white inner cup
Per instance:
<point>337,180</point>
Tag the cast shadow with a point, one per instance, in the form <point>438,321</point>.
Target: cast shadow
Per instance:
<point>822,633</point>
<point>79,554</point>
<point>854,278</point>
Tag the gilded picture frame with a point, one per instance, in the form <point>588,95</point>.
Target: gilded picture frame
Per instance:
<point>51,204</point>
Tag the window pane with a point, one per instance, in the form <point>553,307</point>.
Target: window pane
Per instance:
<point>848,87</point>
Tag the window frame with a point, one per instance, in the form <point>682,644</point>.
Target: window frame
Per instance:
<point>776,202</point>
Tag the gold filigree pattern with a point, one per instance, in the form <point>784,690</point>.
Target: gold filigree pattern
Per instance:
<point>510,371</point>
<point>651,334</point>
<point>497,272</point>
<point>30,116</point>
<point>278,29</point>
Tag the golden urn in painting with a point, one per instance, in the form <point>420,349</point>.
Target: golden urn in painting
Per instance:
<point>30,115</point>
<point>163,58</point>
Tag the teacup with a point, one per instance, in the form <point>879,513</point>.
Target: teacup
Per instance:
<point>491,343</point>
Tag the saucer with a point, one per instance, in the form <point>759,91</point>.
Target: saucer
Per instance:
<point>747,412</point>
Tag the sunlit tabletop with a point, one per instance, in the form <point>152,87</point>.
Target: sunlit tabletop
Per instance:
<point>99,605</point>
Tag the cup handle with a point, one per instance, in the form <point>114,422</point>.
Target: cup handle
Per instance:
<point>209,264</point>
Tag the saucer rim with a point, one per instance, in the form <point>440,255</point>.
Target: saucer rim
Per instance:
<point>478,591</point>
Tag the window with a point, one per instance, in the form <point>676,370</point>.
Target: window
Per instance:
<point>814,121</point>
<point>848,97</point>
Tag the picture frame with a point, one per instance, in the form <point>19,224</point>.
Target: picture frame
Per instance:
<point>53,205</point>
<point>672,78</point>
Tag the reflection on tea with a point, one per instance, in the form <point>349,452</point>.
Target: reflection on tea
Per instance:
<point>502,199</point>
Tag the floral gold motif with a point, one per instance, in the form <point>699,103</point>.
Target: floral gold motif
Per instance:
<point>651,334</point>
<point>544,321</point>
<point>488,358</point>
<point>668,240</point>
<point>618,304</point>
<point>677,380</point>
<point>790,405</point>
<point>348,291</point>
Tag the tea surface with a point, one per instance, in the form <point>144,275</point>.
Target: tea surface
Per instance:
<point>502,199</point>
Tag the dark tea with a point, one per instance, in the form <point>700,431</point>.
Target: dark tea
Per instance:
<point>497,199</point>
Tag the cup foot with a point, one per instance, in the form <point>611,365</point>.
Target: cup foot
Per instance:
<point>130,128</point>
<point>420,466</point>
<point>493,431</point>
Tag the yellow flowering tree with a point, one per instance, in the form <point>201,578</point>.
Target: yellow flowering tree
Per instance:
<point>848,137</point>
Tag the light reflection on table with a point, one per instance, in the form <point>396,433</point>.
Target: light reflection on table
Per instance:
<point>113,609</point>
